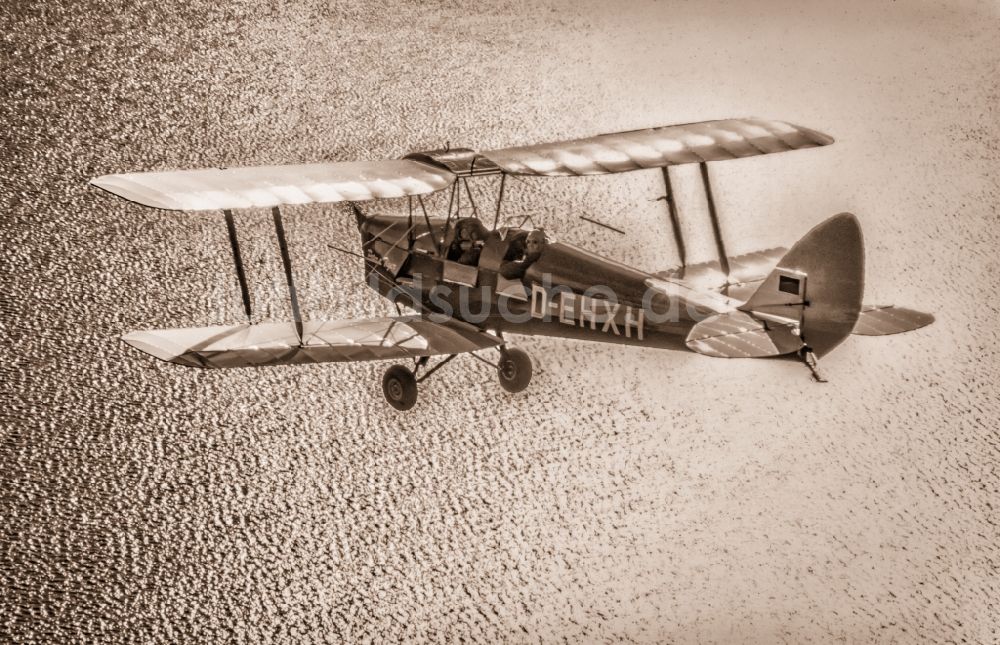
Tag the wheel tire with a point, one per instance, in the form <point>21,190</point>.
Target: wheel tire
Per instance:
<point>514,369</point>
<point>399,387</point>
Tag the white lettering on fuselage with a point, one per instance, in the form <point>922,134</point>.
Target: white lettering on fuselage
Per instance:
<point>583,311</point>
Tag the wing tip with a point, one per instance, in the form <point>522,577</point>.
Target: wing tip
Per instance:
<point>121,187</point>
<point>817,137</point>
<point>146,343</point>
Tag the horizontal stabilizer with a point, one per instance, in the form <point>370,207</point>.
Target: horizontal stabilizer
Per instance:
<point>886,319</point>
<point>746,268</point>
<point>739,335</point>
<point>267,186</point>
<point>322,342</point>
<point>657,148</point>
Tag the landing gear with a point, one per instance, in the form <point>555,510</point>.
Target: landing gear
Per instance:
<point>514,369</point>
<point>399,383</point>
<point>400,387</point>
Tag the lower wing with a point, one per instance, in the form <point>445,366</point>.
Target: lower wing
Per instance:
<point>322,342</point>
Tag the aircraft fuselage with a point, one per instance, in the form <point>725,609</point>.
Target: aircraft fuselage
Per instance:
<point>566,291</point>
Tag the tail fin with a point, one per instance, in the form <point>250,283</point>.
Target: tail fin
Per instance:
<point>818,284</point>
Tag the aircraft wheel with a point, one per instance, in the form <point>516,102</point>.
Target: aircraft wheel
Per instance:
<point>514,369</point>
<point>399,387</point>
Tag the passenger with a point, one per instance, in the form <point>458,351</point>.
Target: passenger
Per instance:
<point>523,251</point>
<point>470,235</point>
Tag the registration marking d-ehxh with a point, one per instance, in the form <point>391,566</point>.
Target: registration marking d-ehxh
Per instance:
<point>576,310</point>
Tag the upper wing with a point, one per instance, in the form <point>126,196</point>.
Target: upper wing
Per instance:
<point>657,147</point>
<point>265,186</point>
<point>322,342</point>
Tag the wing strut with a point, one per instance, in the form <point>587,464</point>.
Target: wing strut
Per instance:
<point>409,222</point>
<point>287,262</point>
<point>714,216</point>
<point>496,217</point>
<point>427,220</point>
<point>675,221</point>
<point>238,259</point>
<point>447,221</point>
<point>472,202</point>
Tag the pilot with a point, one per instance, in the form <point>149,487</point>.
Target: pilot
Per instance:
<point>470,234</point>
<point>523,252</point>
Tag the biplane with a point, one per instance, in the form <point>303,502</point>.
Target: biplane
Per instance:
<point>468,281</point>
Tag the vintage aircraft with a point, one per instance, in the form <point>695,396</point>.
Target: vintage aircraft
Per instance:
<point>470,284</point>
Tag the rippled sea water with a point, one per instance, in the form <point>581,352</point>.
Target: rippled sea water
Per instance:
<point>627,494</point>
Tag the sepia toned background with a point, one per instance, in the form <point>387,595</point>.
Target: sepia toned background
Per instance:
<point>627,494</point>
